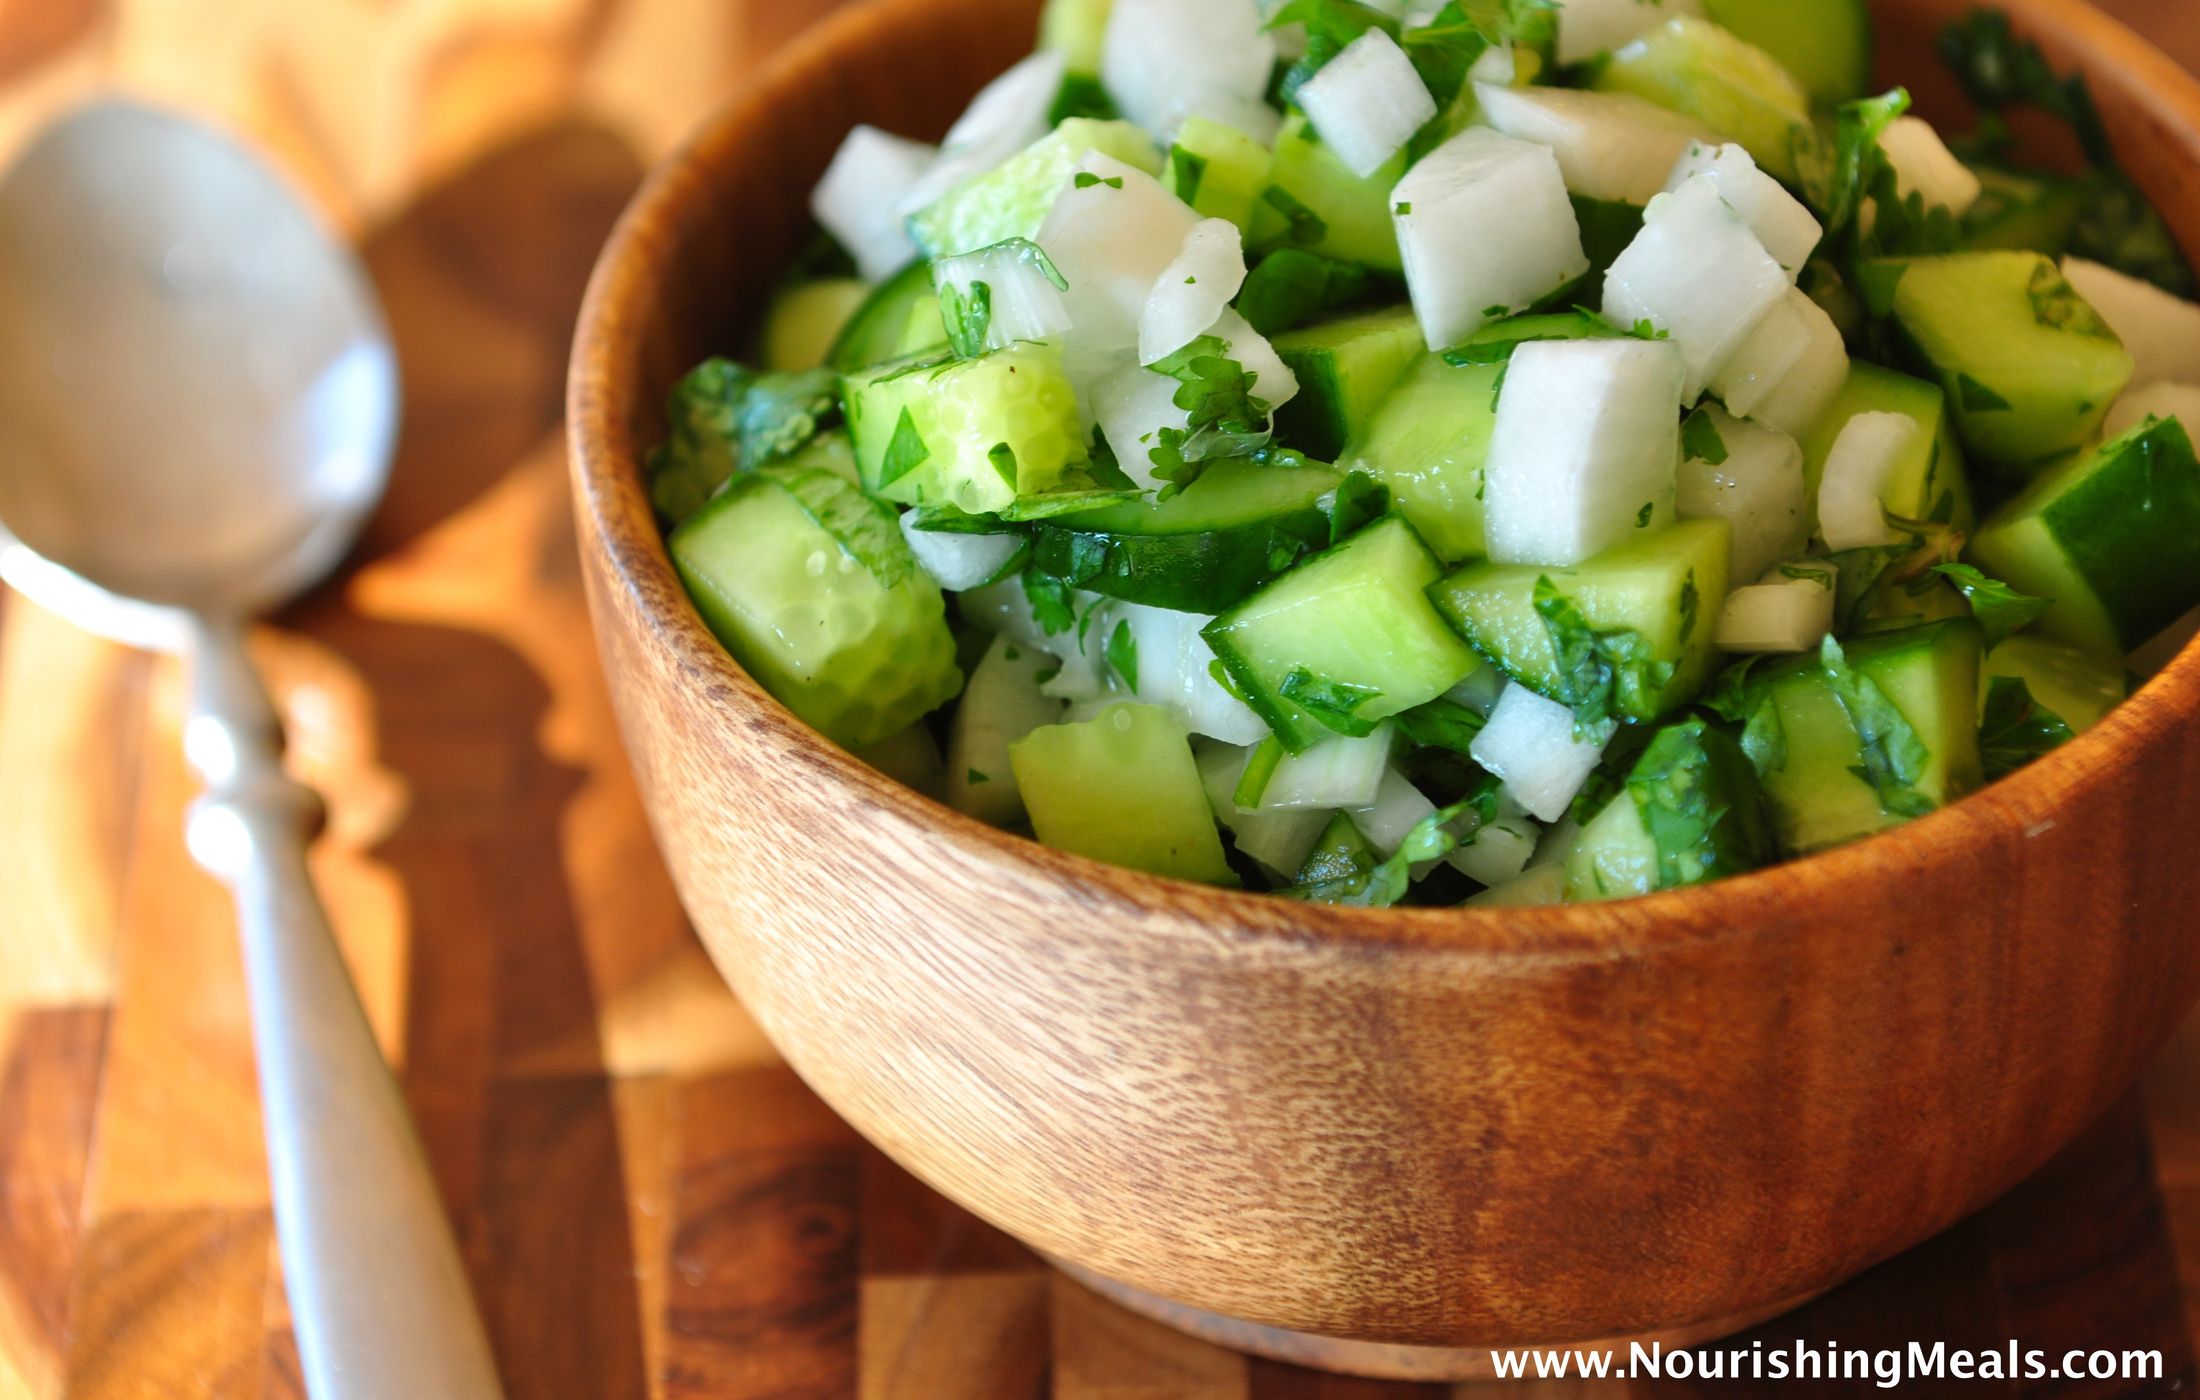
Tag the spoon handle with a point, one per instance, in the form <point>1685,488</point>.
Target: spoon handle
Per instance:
<point>377,1292</point>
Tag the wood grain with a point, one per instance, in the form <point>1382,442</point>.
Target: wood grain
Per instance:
<point>652,1204</point>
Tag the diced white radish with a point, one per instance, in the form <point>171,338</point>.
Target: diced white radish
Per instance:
<point>1193,291</point>
<point>1530,744</point>
<point>1273,381</point>
<point>1790,610</point>
<point>1496,854</point>
<point>1279,842</point>
<point>1782,223</point>
<point>1133,406</point>
<point>1165,60</point>
<point>1850,512</point>
<point>1111,233</point>
<point>1587,434</point>
<point>1367,102</point>
<point>1486,229</point>
<point>1923,165</point>
<point>1480,691</point>
<point>1000,706</point>
<point>959,562</point>
<point>1698,273</point>
<point>1587,28</point>
<point>1339,772</point>
<point>1758,489</point>
<point>1176,671</point>
<point>2178,401</point>
<point>1787,373</point>
<point>2162,332</point>
<point>1026,305</point>
<point>1009,115</point>
<point>1005,610</point>
<point>1545,885</point>
<point>1398,808</point>
<point>856,200</point>
<point>1498,63</point>
<point>1610,145</point>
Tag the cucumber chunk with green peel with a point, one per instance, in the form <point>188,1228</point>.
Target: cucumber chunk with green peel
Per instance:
<point>1429,443</point>
<point>2161,331</point>
<point>1012,200</point>
<point>1075,29</point>
<point>1610,145</point>
<point>1343,641</point>
<point>1825,44</point>
<point>1636,624</point>
<point>1928,481</point>
<point>811,588</point>
<point>1204,550</point>
<point>1737,89</point>
<point>2075,686</point>
<point>1539,887</point>
<point>805,323</point>
<point>2030,368</point>
<point>1122,788</point>
<point>1218,170</point>
<point>1692,810</point>
<point>2113,536</point>
<point>1002,704</point>
<point>1852,741</point>
<point>1346,369</point>
<point>1006,117</point>
<point>975,435</point>
<point>1314,201</point>
<point>877,330</point>
<point>1340,862</point>
<point>1485,229</point>
<point>1338,773</point>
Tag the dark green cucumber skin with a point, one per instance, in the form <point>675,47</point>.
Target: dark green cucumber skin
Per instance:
<point>1607,227</point>
<point>873,335</point>
<point>1205,573</point>
<point>2132,529</point>
<point>1341,383</point>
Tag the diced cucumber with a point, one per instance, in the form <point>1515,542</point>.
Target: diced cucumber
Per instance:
<point>1001,296</point>
<point>1789,370</point>
<point>2161,331</point>
<point>2029,367</point>
<point>1587,28</point>
<point>2028,211</point>
<point>1278,842</point>
<point>1788,610</point>
<point>1314,202</point>
<point>1367,102</point>
<point>1341,855</point>
<point>1349,634</point>
<point>1732,86</point>
<point>1537,748</point>
<point>811,588</point>
<point>2178,401</point>
<point>2079,688</point>
<point>1691,811</point>
<point>1002,704</point>
<point>1810,749</point>
<point>1122,788</point>
<point>1005,118</point>
<point>1698,273</point>
<point>1075,29</point>
<point>805,323</point>
<point>1610,145</point>
<point>960,560</point>
<point>1429,443</point>
<point>1203,550</point>
<point>1485,230</point>
<point>1755,484</point>
<point>877,330</point>
<point>1346,369</point>
<point>1162,658</point>
<point>1012,201</point>
<point>1870,451</point>
<point>1218,170</point>
<point>1825,44</point>
<point>2113,536</point>
<point>855,202</point>
<point>1928,483</point>
<point>1924,166</point>
<point>976,435</point>
<point>1665,589</point>
<point>1541,886</point>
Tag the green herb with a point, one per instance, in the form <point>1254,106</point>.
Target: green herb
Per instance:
<point>1053,606</point>
<point>1700,439</point>
<point>1225,417</point>
<point>1679,787</point>
<point>1432,839</point>
<point>1691,607</point>
<point>2017,729</point>
<point>1085,180</point>
<point>1292,286</point>
<point>726,418</point>
<point>1336,705</point>
<point>1445,49</point>
<point>976,778</point>
<point>1260,767</point>
<point>866,530</point>
<point>1306,227</point>
<point>1003,458</point>
<point>1081,95</point>
<point>969,317</point>
<point>1600,673</point>
<point>905,452</point>
<point>1122,654</point>
<point>1895,758</point>
<point>1644,516</point>
<point>2000,70</point>
<point>1360,501</point>
<point>1403,209</point>
<point>2001,610</point>
<point>1442,724</point>
<point>1187,172</point>
<point>1331,26</point>
<point>1339,867</point>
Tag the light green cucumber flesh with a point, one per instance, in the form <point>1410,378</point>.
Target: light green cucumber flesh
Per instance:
<point>1122,788</point>
<point>1429,442</point>
<point>1825,44</point>
<point>1218,170</point>
<point>1012,200</point>
<point>1345,369</point>
<point>2076,686</point>
<point>875,332</point>
<point>1694,67</point>
<point>975,435</point>
<point>1351,215</point>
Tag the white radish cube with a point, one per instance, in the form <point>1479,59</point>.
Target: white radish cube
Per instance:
<point>1336,773</point>
<point>1025,304</point>
<point>857,199</point>
<point>956,561</point>
<point>1398,808</point>
<point>1000,707</point>
<point>1587,434</point>
<point>1112,232</point>
<point>1193,291</point>
<point>1274,383</point>
<point>1367,102</point>
<point>1923,165</point>
<point>1009,115</point>
<point>1133,406</point>
<point>1787,373</point>
<point>1176,669</point>
<point>1851,514</point>
<point>1790,611</point>
<point>1165,60</point>
<point>1530,744</point>
<point>1782,223</point>
<point>1486,229</point>
<point>1587,28</point>
<point>1610,145</point>
<point>1698,273</point>
<point>1279,842</point>
<point>1496,854</point>
<point>1757,488</point>
<point>1498,64</point>
<point>2162,332</point>
<point>2178,401</point>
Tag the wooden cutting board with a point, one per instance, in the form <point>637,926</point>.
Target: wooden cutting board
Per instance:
<point>651,1204</point>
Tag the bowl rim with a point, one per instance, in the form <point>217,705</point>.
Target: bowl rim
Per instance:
<point>606,465</point>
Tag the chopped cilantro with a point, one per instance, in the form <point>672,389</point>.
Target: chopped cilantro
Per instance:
<point>1336,704</point>
<point>1442,724</point>
<point>2001,610</point>
<point>1700,439</point>
<point>1052,605</point>
<point>1085,180</point>
<point>969,317</point>
<point>905,452</point>
<point>1894,757</point>
<point>1599,672</point>
<point>2017,729</point>
<point>1977,398</point>
<point>1187,172</point>
<point>1306,227</point>
<point>1122,654</point>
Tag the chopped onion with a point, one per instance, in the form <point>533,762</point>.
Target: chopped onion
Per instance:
<point>1789,370</point>
<point>1335,773</point>
<point>1398,808</point>
<point>1279,842</point>
<point>1786,228</point>
<point>1587,28</point>
<point>857,198</point>
<point>1165,60</point>
<point>2161,331</point>
<point>1610,145</point>
<point>1758,489</point>
<point>1133,406</point>
<point>1851,514</point>
<point>1176,670</point>
<point>956,561</point>
<point>1024,300</point>
<point>1367,102</point>
<point>1531,745</point>
<point>1112,231</point>
<point>1194,291</point>
<point>1009,115</point>
<point>1787,612</point>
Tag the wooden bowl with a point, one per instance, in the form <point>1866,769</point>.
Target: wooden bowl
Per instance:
<point>1367,1139</point>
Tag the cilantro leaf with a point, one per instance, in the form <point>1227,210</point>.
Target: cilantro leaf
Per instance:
<point>2001,610</point>
<point>2017,729</point>
<point>1052,605</point>
<point>1360,501</point>
<point>1336,705</point>
<point>1700,439</point>
<point>1442,724</point>
<point>1331,26</point>
<point>1601,674</point>
<point>969,317</point>
<point>1292,286</point>
<point>1358,881</point>
<point>1122,654</point>
<point>1307,228</point>
<point>905,451</point>
<point>1684,786</point>
<point>726,418</point>
<point>1226,418</point>
<point>1894,757</point>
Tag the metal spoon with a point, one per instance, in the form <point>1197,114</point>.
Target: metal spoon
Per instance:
<point>198,402</point>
